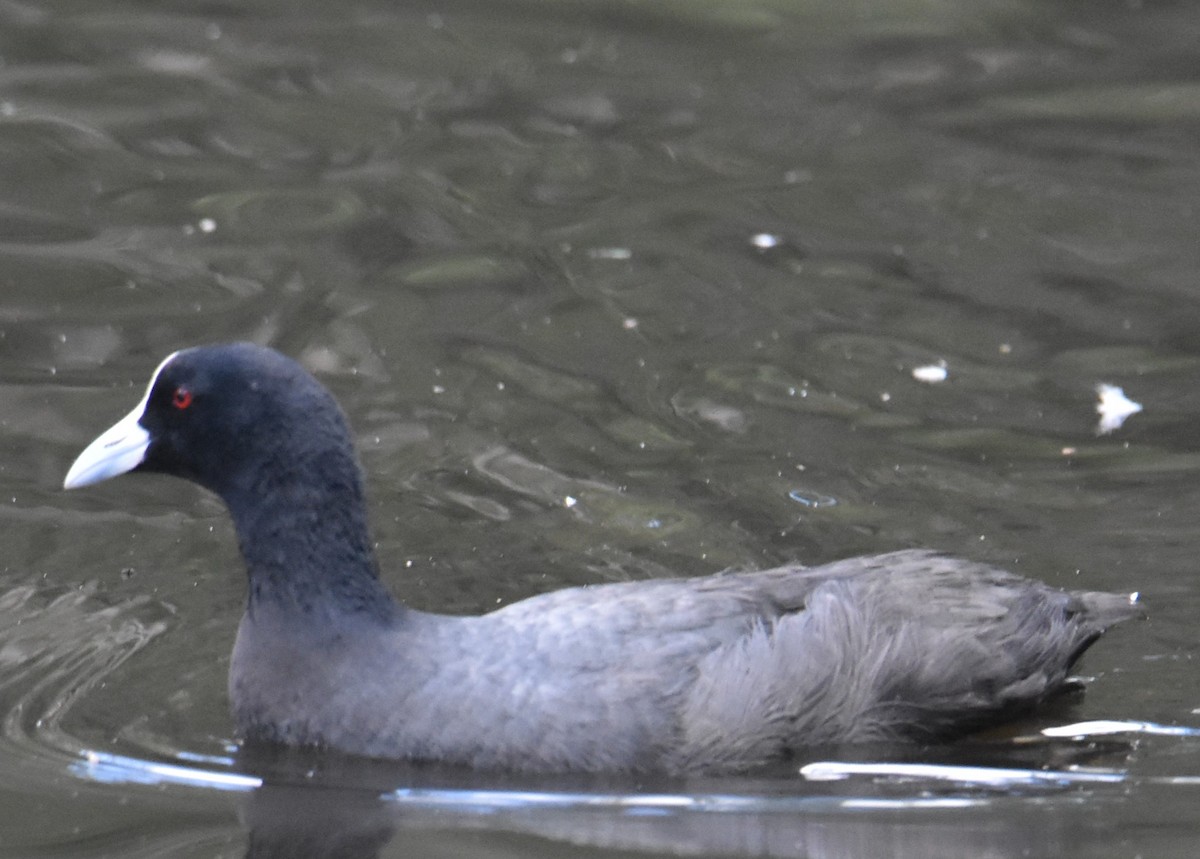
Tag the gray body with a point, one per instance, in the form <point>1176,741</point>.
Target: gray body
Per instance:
<point>716,673</point>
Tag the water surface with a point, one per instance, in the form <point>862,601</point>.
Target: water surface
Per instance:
<point>609,290</point>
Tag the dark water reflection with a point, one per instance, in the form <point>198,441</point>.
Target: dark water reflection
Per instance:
<point>312,806</point>
<point>609,290</point>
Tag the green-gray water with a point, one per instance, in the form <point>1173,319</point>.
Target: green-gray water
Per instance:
<point>609,290</point>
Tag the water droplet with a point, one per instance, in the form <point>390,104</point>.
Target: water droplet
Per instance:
<point>931,373</point>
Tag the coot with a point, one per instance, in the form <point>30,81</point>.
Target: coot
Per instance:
<point>714,673</point>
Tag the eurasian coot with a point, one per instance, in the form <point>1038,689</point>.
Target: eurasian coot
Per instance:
<point>718,672</point>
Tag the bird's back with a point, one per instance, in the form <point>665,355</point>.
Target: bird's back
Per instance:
<point>909,645</point>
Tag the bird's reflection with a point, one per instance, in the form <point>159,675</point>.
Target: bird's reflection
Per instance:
<point>322,807</point>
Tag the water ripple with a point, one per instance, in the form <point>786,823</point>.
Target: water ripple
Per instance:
<point>54,652</point>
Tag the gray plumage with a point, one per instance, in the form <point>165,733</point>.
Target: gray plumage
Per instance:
<point>715,673</point>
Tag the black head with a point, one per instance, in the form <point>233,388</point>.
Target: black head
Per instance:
<point>257,429</point>
<point>221,416</point>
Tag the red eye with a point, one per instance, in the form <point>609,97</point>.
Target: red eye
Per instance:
<point>181,399</point>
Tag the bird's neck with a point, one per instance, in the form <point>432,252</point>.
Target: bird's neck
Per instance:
<point>304,538</point>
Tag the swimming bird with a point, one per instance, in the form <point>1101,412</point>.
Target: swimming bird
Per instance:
<point>711,673</point>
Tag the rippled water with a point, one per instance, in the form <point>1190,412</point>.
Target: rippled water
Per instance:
<point>609,290</point>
